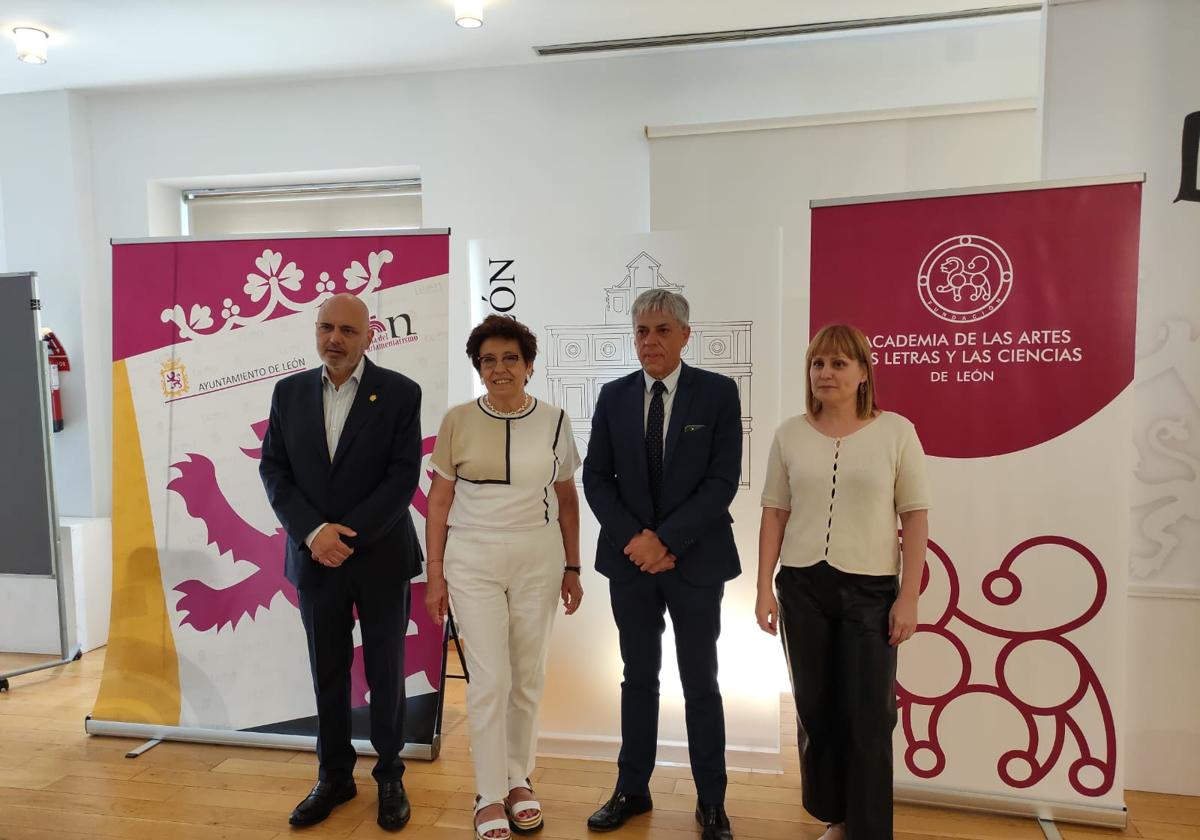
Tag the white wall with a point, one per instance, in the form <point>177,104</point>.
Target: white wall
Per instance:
<point>46,221</point>
<point>1120,77</point>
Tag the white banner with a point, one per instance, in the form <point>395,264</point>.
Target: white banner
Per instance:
<point>576,295</point>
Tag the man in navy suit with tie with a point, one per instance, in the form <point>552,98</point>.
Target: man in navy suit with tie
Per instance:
<point>340,462</point>
<point>662,467</point>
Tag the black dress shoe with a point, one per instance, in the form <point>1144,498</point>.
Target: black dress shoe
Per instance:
<point>394,810</point>
<point>714,822</point>
<point>617,810</point>
<point>324,797</point>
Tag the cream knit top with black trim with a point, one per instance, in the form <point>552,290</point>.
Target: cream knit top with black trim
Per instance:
<point>845,494</point>
<point>505,467</point>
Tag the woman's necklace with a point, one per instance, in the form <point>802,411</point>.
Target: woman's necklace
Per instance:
<point>524,407</point>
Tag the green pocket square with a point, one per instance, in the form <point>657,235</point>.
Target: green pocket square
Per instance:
<point>695,428</point>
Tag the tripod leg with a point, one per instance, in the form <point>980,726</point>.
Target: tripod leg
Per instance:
<point>462,660</point>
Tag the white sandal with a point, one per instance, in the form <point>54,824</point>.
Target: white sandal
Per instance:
<point>526,826</point>
<point>482,829</point>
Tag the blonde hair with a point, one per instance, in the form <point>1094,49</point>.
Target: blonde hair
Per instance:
<point>847,341</point>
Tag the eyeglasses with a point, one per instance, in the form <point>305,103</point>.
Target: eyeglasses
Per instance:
<point>508,360</point>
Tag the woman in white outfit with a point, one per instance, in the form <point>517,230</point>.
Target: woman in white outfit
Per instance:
<point>503,523</point>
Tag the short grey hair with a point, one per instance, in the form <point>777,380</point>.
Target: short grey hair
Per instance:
<point>661,300</point>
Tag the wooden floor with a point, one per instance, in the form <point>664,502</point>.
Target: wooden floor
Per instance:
<point>56,782</point>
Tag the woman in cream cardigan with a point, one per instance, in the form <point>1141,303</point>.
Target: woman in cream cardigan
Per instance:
<point>838,477</point>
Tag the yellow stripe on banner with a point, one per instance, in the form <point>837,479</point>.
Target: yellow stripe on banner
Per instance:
<point>141,669</point>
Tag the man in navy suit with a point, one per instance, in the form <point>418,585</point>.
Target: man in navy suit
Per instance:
<point>340,462</point>
<point>662,467</point>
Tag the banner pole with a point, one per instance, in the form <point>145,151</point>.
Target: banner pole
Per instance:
<point>994,803</point>
<point>1025,186</point>
<point>235,737</point>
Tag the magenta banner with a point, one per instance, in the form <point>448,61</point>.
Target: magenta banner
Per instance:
<point>1020,305</point>
<point>1002,324</point>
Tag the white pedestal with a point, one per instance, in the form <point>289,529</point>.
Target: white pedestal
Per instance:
<point>87,551</point>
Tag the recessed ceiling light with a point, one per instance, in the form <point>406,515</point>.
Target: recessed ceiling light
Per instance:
<point>31,44</point>
<point>469,13</point>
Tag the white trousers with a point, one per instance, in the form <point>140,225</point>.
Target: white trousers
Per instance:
<point>504,591</point>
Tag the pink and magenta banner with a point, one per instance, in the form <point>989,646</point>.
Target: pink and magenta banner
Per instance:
<point>171,291</point>
<point>202,330</point>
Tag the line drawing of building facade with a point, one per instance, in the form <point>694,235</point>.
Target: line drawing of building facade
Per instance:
<point>581,358</point>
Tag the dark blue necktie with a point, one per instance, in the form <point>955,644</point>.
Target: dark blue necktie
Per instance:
<point>654,446</point>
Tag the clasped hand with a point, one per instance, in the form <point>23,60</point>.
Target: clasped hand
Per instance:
<point>649,554</point>
<point>327,546</point>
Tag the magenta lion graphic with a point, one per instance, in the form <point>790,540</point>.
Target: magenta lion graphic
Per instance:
<point>1093,772</point>
<point>204,607</point>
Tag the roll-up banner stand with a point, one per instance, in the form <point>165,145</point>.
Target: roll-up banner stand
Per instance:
<point>206,642</point>
<point>1002,324</point>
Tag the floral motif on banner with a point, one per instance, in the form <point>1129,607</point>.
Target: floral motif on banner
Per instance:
<point>275,284</point>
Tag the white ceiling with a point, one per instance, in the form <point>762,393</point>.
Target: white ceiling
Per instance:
<point>117,43</point>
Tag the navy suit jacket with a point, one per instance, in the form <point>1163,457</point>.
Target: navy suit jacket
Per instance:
<point>367,485</point>
<point>701,470</point>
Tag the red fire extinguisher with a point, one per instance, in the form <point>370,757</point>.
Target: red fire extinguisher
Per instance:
<point>58,363</point>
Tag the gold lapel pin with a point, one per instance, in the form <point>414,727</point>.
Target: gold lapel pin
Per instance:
<point>372,398</point>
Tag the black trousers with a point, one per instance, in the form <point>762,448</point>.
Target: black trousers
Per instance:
<point>835,637</point>
<point>328,615</point>
<point>638,605</point>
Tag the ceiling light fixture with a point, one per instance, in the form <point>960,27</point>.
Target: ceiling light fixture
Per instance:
<point>468,13</point>
<point>31,44</point>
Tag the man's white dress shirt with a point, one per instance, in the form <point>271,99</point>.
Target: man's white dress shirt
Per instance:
<point>338,402</point>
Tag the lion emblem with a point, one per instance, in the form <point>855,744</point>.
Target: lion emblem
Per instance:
<point>976,278</point>
<point>960,277</point>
